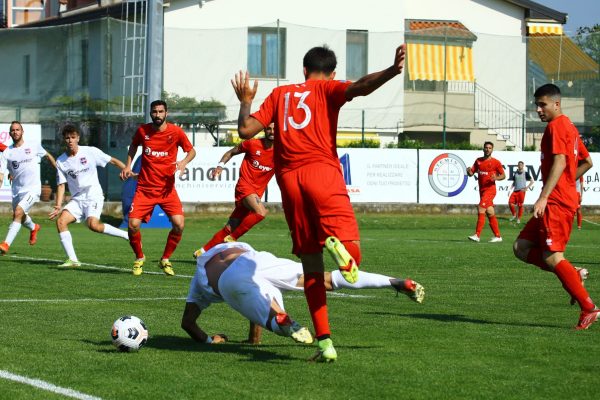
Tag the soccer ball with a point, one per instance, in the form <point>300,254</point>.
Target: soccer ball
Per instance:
<point>129,333</point>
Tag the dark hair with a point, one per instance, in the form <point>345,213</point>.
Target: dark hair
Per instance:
<point>17,122</point>
<point>320,59</point>
<point>67,129</point>
<point>486,143</point>
<point>158,103</point>
<point>549,90</point>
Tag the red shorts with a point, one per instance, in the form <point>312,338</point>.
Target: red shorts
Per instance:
<point>517,198</point>
<point>486,199</point>
<point>552,231</point>
<point>316,206</point>
<point>143,204</point>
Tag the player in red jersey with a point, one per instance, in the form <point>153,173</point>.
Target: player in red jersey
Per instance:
<point>307,168</point>
<point>544,239</point>
<point>156,181</point>
<point>255,173</point>
<point>488,170</point>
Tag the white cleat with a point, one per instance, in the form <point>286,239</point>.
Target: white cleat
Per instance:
<point>474,238</point>
<point>495,239</point>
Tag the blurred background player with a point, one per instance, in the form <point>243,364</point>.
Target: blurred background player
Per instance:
<point>543,240</point>
<point>488,170</point>
<point>251,282</point>
<point>77,168</point>
<point>160,141</point>
<point>22,159</point>
<point>314,195</point>
<point>522,181</point>
<point>255,173</point>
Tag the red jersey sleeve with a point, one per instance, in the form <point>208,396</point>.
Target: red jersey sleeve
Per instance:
<point>475,166</point>
<point>183,141</point>
<point>336,91</point>
<point>559,138</point>
<point>582,151</point>
<point>137,137</point>
<point>266,112</point>
<point>499,168</point>
<point>244,146</point>
<point>2,147</point>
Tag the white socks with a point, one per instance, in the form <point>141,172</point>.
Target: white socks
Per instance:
<point>366,280</point>
<point>13,229</point>
<point>29,224</point>
<point>112,231</point>
<point>67,243</point>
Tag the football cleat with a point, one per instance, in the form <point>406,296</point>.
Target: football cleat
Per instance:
<point>326,352</point>
<point>342,258</point>
<point>495,239</point>
<point>293,329</point>
<point>33,235</point>
<point>518,221</point>
<point>511,219</point>
<point>414,290</point>
<point>137,266</point>
<point>70,263</point>
<point>474,238</point>
<point>229,239</point>
<point>583,275</point>
<point>4,248</point>
<point>199,252</point>
<point>587,318</point>
<point>166,267</point>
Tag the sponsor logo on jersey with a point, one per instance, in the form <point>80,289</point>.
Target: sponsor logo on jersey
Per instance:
<point>170,139</point>
<point>74,174</point>
<point>448,175</point>
<point>149,152</point>
<point>258,166</point>
<point>17,164</point>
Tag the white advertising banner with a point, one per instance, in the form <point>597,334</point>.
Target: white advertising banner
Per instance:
<point>443,177</point>
<point>32,133</point>
<point>371,175</point>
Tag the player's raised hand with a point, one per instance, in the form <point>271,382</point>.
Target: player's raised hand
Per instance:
<point>399,58</point>
<point>126,173</point>
<point>241,86</point>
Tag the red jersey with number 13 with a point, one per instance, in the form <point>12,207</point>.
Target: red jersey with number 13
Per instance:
<point>305,117</point>
<point>256,170</point>
<point>159,154</point>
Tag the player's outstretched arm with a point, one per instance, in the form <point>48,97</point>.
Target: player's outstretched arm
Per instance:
<point>60,195</point>
<point>126,172</point>
<point>188,324</point>
<point>247,126</point>
<point>51,159</point>
<point>214,173</point>
<point>559,163</point>
<point>182,163</point>
<point>117,163</point>
<point>371,82</point>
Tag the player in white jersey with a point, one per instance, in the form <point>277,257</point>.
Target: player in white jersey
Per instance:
<point>22,160</point>
<point>77,168</point>
<point>251,282</point>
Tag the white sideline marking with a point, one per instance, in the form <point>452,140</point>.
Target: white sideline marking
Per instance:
<point>87,300</point>
<point>590,222</point>
<point>47,386</point>
<point>111,267</point>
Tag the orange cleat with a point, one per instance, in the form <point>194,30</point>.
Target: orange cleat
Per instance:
<point>587,318</point>
<point>33,235</point>
<point>4,248</point>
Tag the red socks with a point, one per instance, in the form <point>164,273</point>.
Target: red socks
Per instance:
<point>135,241</point>
<point>513,211</point>
<point>172,242</point>
<point>480,223</point>
<point>521,208</point>
<point>354,251</point>
<point>571,281</point>
<point>579,218</point>
<point>314,291</point>
<point>217,238</point>
<point>248,222</point>
<point>494,225</point>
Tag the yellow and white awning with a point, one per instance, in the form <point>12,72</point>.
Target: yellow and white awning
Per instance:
<point>537,28</point>
<point>436,62</point>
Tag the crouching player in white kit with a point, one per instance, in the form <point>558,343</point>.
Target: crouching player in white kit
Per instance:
<point>251,282</point>
<point>22,160</point>
<point>77,168</point>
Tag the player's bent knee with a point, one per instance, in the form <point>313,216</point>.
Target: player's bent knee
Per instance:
<point>520,250</point>
<point>354,250</point>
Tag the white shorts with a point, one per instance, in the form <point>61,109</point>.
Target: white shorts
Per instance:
<point>25,201</point>
<point>252,282</point>
<point>82,209</point>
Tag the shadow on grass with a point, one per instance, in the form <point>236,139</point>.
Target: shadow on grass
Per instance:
<point>465,319</point>
<point>30,261</point>
<point>176,343</point>
<point>93,270</point>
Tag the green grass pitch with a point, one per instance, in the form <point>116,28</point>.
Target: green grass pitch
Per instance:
<point>491,327</point>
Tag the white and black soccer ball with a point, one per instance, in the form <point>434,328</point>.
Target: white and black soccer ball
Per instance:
<point>129,333</point>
